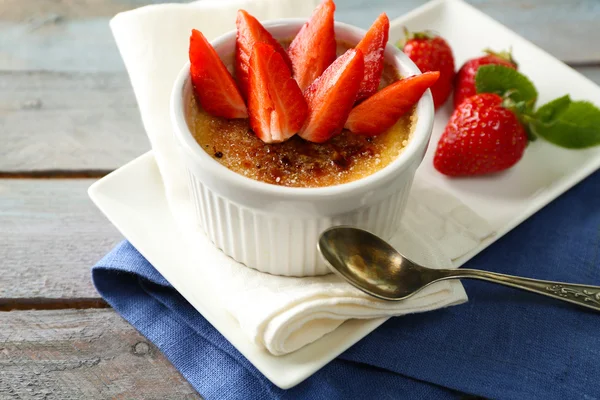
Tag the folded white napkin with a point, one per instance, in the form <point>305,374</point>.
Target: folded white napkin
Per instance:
<point>280,314</point>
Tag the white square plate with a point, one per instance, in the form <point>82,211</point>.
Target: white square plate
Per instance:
<point>133,197</point>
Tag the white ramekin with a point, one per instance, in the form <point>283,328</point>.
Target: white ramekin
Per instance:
<point>272,228</point>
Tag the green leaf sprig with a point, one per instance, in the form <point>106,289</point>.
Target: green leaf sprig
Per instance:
<point>563,122</point>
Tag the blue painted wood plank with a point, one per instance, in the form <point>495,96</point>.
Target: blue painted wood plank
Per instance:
<point>57,40</point>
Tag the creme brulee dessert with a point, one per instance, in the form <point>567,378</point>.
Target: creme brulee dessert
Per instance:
<point>310,112</point>
<point>298,162</point>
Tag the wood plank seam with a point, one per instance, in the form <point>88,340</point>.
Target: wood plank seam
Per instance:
<point>42,303</point>
<point>55,174</point>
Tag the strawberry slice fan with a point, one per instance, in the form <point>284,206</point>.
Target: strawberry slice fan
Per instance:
<point>305,90</point>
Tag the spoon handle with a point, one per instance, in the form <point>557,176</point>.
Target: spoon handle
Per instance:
<point>582,295</point>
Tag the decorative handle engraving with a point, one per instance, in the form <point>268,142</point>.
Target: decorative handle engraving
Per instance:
<point>583,295</point>
<point>575,293</point>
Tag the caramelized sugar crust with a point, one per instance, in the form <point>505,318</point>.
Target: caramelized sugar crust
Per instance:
<point>296,162</point>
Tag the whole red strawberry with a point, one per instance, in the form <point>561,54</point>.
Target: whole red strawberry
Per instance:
<point>432,53</point>
<point>481,137</point>
<point>465,78</point>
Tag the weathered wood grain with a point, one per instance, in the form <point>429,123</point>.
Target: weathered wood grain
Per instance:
<point>67,36</point>
<point>61,35</point>
<point>60,120</point>
<point>20,10</point>
<point>82,115</point>
<point>82,354</point>
<point>50,236</point>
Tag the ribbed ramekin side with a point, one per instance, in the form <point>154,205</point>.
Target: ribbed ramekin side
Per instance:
<point>280,244</point>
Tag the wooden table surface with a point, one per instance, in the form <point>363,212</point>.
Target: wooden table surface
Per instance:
<point>67,117</point>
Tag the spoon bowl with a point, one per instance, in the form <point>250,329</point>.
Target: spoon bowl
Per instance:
<point>372,265</point>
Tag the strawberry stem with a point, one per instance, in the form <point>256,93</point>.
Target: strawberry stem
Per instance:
<point>424,35</point>
<point>408,35</point>
<point>522,110</point>
<point>527,121</point>
<point>505,55</point>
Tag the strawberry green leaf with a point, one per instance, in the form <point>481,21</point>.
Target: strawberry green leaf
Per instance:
<point>506,82</point>
<point>550,111</point>
<point>566,123</point>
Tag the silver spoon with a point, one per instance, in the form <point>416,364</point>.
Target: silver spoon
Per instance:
<point>375,267</point>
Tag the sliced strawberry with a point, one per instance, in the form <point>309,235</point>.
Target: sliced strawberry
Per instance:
<point>214,86</point>
<point>313,48</point>
<point>379,112</point>
<point>250,32</point>
<point>276,105</point>
<point>331,96</point>
<point>373,46</point>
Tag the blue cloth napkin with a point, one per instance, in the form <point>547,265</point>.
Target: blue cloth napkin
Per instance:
<point>502,344</point>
